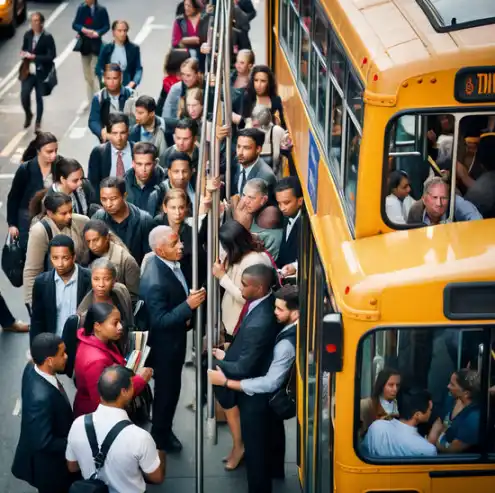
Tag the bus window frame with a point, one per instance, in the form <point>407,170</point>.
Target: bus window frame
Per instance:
<point>483,457</point>
<point>458,113</point>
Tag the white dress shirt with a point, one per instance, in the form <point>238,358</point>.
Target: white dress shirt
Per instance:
<point>65,299</point>
<point>126,158</point>
<point>290,225</point>
<point>132,453</point>
<point>175,266</point>
<point>52,379</point>
<point>398,210</point>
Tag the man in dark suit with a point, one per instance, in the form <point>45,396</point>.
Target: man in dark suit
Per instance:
<point>169,305</point>
<point>38,53</point>
<point>290,199</point>
<point>113,158</point>
<point>249,356</point>
<point>248,163</point>
<point>46,419</point>
<point>58,292</point>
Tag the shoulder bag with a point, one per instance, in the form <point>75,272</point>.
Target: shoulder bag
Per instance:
<point>13,260</point>
<point>50,82</point>
<point>283,401</point>
<point>94,484</point>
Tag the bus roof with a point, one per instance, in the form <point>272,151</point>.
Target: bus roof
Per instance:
<point>413,265</point>
<point>399,42</point>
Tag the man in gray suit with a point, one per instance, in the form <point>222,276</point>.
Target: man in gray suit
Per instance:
<point>248,163</point>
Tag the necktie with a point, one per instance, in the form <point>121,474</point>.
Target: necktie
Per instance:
<point>35,42</point>
<point>244,312</point>
<point>62,391</point>
<point>243,181</point>
<point>120,165</point>
<point>180,276</point>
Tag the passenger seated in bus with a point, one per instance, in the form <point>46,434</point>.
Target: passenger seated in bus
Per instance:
<point>459,430</point>
<point>383,401</point>
<point>399,201</point>
<point>400,437</point>
<point>481,191</point>
<point>433,208</point>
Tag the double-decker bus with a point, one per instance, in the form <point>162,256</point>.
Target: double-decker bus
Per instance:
<point>372,87</point>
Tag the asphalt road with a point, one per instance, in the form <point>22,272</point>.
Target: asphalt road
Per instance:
<point>65,116</point>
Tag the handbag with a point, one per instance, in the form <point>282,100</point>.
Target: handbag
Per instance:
<point>93,484</point>
<point>139,409</point>
<point>13,260</point>
<point>24,69</point>
<point>283,401</point>
<point>50,82</point>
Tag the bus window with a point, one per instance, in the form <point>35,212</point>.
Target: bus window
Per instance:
<point>321,77</point>
<point>313,83</point>
<point>293,33</point>
<point>355,98</point>
<point>338,63</point>
<point>335,129</point>
<point>429,180</point>
<point>304,57</point>
<point>284,19</point>
<point>351,165</point>
<point>321,31</point>
<point>448,363</point>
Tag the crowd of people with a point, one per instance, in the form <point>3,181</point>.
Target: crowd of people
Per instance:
<point>110,253</point>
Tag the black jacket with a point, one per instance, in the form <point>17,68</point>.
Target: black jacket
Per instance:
<point>251,351</point>
<point>44,306</point>
<point>99,22</point>
<point>27,181</point>
<point>289,248</point>
<point>140,196</point>
<point>260,170</point>
<point>133,55</point>
<point>44,50</point>
<point>46,420</point>
<point>139,226</point>
<point>100,165</point>
<point>89,194</point>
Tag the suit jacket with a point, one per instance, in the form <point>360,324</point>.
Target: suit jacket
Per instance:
<point>46,420</point>
<point>251,351</point>
<point>44,308</point>
<point>44,50</point>
<point>134,69</point>
<point>289,247</point>
<point>166,307</point>
<point>260,170</point>
<point>100,165</point>
<point>99,21</point>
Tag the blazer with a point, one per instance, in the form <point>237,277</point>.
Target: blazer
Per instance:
<point>44,50</point>
<point>166,308</point>
<point>100,22</point>
<point>27,181</point>
<point>100,165</point>
<point>44,307</point>
<point>289,247</point>
<point>140,196</point>
<point>46,420</point>
<point>92,357</point>
<point>251,351</point>
<point>134,69</point>
<point>158,139</point>
<point>260,170</point>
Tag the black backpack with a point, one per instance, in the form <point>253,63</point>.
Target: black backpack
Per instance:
<point>47,264</point>
<point>93,484</point>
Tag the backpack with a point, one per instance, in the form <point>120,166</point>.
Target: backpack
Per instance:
<point>47,263</point>
<point>94,484</point>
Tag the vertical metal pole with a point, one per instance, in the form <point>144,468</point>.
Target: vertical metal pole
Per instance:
<point>227,97</point>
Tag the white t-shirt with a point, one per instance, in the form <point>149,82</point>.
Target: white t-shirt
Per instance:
<point>395,439</point>
<point>133,451</point>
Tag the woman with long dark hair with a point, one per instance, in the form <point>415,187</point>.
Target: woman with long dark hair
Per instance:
<point>30,177</point>
<point>383,401</point>
<point>262,89</point>
<point>399,201</point>
<point>171,75</point>
<point>96,351</point>
<point>187,27</point>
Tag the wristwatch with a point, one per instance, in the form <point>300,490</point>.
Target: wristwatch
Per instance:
<point>226,384</point>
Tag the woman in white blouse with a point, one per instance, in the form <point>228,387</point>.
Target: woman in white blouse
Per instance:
<point>398,202</point>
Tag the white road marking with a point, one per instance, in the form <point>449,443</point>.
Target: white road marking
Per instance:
<point>82,108</point>
<point>6,176</point>
<point>17,156</point>
<point>160,26</point>
<point>1,205</point>
<point>67,51</point>
<point>9,148</point>
<point>145,31</point>
<point>11,109</point>
<point>77,133</point>
<point>11,78</point>
<point>17,407</point>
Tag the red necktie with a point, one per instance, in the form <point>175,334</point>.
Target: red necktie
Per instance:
<point>120,165</point>
<point>244,312</point>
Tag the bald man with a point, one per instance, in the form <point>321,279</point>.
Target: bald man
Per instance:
<point>169,303</point>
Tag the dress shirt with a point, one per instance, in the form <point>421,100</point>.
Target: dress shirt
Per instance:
<point>36,38</point>
<point>119,56</point>
<point>255,303</point>
<point>284,354</point>
<point>52,379</point>
<point>290,225</point>
<point>248,171</point>
<point>126,159</point>
<point>66,299</point>
<point>398,210</point>
<point>393,438</point>
<point>175,266</point>
<point>463,211</point>
<point>134,451</point>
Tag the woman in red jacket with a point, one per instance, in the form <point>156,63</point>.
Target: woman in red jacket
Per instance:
<point>96,351</point>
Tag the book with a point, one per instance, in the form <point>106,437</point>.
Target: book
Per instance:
<point>138,350</point>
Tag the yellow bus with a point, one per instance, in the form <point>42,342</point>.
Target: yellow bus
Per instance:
<point>372,87</point>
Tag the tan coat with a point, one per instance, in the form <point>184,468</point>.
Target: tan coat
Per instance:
<point>232,301</point>
<point>127,268</point>
<point>37,249</point>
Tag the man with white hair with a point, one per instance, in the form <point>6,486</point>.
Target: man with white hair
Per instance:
<point>169,303</point>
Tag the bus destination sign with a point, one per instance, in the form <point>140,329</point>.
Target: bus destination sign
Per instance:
<point>475,85</point>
